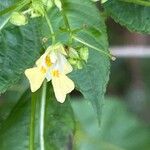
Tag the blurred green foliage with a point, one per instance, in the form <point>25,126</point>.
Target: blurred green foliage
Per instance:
<point>119,129</point>
<point>14,129</point>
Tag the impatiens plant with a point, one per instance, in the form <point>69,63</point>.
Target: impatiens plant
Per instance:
<point>57,46</point>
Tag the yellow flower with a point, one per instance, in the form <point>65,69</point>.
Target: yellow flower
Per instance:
<point>52,65</point>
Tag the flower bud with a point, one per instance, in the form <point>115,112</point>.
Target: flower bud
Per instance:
<point>79,64</point>
<point>95,0</point>
<point>58,4</point>
<point>48,3</point>
<point>37,9</point>
<point>104,1</point>
<point>18,19</point>
<point>72,61</point>
<point>73,53</point>
<point>84,53</point>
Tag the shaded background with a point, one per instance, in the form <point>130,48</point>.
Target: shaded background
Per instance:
<point>130,77</point>
<point>125,123</point>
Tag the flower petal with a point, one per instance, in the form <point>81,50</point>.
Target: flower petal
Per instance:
<point>63,65</point>
<point>40,60</point>
<point>62,86</point>
<point>53,56</point>
<point>36,78</point>
<point>67,68</point>
<point>60,49</point>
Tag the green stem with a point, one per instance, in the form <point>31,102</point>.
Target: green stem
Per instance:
<point>138,2</point>
<point>67,26</point>
<point>64,16</point>
<point>50,27</point>
<point>66,21</point>
<point>32,122</point>
<point>42,116</point>
<point>4,23</point>
<point>93,47</point>
<point>80,40</point>
<point>16,6</point>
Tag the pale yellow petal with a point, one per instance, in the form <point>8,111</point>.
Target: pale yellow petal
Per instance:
<point>67,68</point>
<point>62,86</point>
<point>53,57</point>
<point>40,60</point>
<point>36,78</point>
<point>60,48</point>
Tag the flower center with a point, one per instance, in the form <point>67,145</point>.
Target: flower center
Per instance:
<point>55,73</point>
<point>48,61</point>
<point>43,70</point>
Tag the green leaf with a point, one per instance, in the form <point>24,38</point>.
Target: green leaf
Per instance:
<point>133,16</point>
<point>9,99</point>
<point>5,8</point>
<point>20,47</point>
<point>58,124</point>
<point>92,80</point>
<point>119,129</point>
<point>16,125</point>
<point>59,127</point>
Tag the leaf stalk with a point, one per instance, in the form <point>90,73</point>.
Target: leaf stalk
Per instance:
<point>32,122</point>
<point>50,27</point>
<point>93,47</point>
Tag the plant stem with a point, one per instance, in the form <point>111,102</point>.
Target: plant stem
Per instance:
<point>16,7</point>
<point>64,16</point>
<point>32,122</point>
<point>66,21</point>
<point>4,23</point>
<point>80,40</point>
<point>93,47</point>
<point>50,27</point>
<point>138,2</point>
<point>42,116</point>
